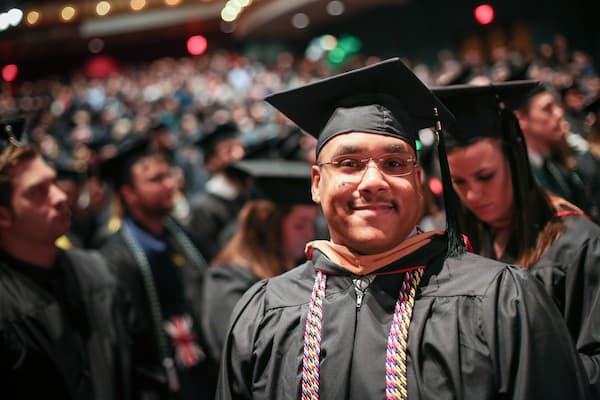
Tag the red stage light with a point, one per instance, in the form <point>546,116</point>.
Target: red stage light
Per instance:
<point>9,72</point>
<point>484,14</point>
<point>197,45</point>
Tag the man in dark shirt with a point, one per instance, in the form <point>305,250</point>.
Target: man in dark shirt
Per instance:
<point>162,270</point>
<point>62,329</point>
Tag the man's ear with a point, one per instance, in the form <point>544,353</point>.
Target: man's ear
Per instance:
<point>6,217</point>
<point>315,180</point>
<point>521,117</point>
<point>419,178</point>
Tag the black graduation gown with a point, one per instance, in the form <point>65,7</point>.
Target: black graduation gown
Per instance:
<point>480,330</point>
<point>223,286</point>
<point>588,167</point>
<point>570,273</point>
<point>196,382</point>
<point>562,182</point>
<point>71,343</point>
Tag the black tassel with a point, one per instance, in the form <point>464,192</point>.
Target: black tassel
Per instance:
<point>456,245</point>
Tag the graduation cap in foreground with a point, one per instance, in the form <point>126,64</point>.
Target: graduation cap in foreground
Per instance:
<point>478,109</point>
<point>282,181</point>
<point>116,168</point>
<point>385,98</point>
<point>12,132</point>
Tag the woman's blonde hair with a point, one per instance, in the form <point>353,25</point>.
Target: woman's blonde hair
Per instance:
<point>257,244</point>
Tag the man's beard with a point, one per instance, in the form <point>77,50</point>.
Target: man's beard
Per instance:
<point>156,211</point>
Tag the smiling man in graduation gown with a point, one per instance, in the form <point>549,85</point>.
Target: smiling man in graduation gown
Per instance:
<point>384,310</point>
<point>62,315</point>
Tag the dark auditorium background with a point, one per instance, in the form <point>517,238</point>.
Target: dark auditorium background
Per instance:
<point>417,29</point>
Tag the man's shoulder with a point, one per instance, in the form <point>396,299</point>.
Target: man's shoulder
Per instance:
<point>112,241</point>
<point>91,268</point>
<point>204,199</point>
<point>580,226</point>
<point>118,254</point>
<point>290,289</point>
<point>466,275</point>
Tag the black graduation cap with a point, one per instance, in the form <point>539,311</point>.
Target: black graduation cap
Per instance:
<point>116,168</point>
<point>384,98</point>
<point>209,141</point>
<point>12,132</point>
<point>477,109</point>
<point>282,181</point>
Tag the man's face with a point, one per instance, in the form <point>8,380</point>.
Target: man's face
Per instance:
<point>152,191</point>
<point>372,212</point>
<point>226,153</point>
<point>543,122</point>
<point>39,212</point>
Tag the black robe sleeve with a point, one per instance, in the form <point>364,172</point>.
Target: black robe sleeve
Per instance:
<point>570,273</point>
<point>531,351</point>
<point>223,286</point>
<point>236,363</point>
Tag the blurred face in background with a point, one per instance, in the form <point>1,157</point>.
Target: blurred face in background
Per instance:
<point>481,177</point>
<point>153,187</point>
<point>225,153</point>
<point>298,228</point>
<point>543,122</point>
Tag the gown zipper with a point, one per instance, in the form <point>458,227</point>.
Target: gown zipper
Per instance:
<point>361,284</point>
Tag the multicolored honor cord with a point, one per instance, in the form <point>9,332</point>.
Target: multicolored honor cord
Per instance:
<point>397,344</point>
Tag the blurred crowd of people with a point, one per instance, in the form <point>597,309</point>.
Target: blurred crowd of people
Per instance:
<point>79,121</point>
<point>150,159</point>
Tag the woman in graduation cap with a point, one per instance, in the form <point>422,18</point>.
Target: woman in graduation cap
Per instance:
<point>383,310</point>
<point>509,217</point>
<point>272,230</point>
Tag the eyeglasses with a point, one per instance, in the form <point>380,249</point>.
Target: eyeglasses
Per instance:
<point>388,164</point>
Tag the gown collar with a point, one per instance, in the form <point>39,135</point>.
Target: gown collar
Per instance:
<point>360,265</point>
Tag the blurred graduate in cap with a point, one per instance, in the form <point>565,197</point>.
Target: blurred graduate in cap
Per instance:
<point>550,145</point>
<point>509,217</point>
<point>383,310</point>
<point>63,333</point>
<point>162,271</point>
<point>272,231</point>
<point>224,193</point>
